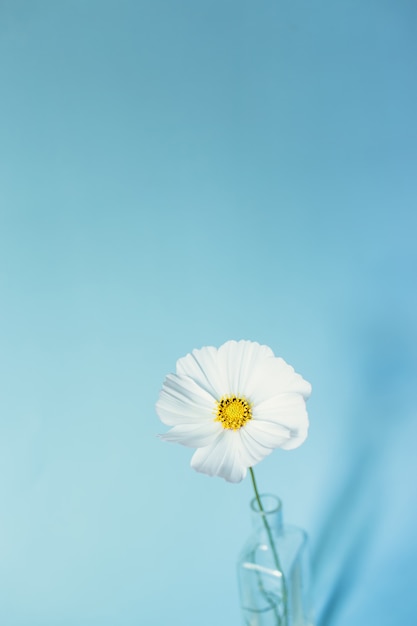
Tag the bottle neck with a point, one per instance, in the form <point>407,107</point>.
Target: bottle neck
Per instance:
<point>271,512</point>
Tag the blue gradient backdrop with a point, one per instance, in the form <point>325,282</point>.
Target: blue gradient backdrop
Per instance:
<point>175,174</point>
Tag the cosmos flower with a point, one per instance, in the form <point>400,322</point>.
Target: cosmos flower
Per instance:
<point>234,404</point>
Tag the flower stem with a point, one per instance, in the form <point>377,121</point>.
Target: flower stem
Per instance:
<point>272,544</point>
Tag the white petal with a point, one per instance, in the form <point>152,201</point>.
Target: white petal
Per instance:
<point>239,360</point>
<point>252,451</point>
<point>260,438</point>
<point>296,440</point>
<point>287,409</point>
<point>194,435</point>
<point>275,376</point>
<point>267,434</point>
<point>202,366</point>
<point>182,401</point>
<point>223,458</point>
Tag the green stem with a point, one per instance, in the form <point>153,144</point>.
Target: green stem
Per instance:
<point>272,544</point>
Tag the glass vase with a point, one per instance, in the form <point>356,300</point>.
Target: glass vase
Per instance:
<point>273,570</point>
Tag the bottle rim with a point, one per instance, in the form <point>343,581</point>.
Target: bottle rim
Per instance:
<point>270,503</point>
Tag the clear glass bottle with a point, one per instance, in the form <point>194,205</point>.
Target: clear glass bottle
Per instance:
<point>273,570</point>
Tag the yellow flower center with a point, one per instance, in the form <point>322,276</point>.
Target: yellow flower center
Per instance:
<point>233,412</point>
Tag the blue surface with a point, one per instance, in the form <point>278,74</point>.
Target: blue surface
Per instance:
<point>173,175</point>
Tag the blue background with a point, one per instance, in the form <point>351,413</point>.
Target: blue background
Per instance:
<point>175,174</point>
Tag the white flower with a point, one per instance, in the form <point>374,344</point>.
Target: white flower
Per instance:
<point>235,404</point>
